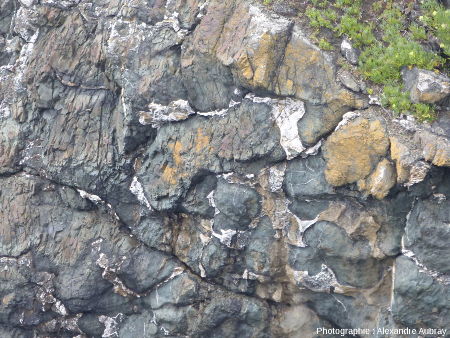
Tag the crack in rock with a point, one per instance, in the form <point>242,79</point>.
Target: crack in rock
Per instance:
<point>438,276</point>
<point>286,113</point>
<point>138,191</point>
<point>324,281</point>
<point>111,325</point>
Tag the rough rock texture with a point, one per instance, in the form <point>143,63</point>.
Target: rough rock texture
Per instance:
<point>193,168</point>
<point>354,149</point>
<point>380,181</point>
<point>426,86</point>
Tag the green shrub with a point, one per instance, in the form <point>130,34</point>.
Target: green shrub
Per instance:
<point>320,18</point>
<point>382,64</point>
<point>437,19</point>
<point>342,4</point>
<point>417,32</point>
<point>398,101</point>
<point>378,6</point>
<point>424,112</point>
<point>391,23</point>
<point>399,45</point>
<point>361,34</point>
<point>325,45</point>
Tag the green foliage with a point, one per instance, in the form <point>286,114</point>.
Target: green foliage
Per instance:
<point>354,9</point>
<point>437,19</point>
<point>267,2</point>
<point>398,45</point>
<point>417,32</point>
<point>361,34</point>
<point>344,3</point>
<point>430,5</point>
<point>392,23</point>
<point>325,45</point>
<point>424,112</point>
<point>441,25</point>
<point>320,3</point>
<point>321,18</point>
<point>398,101</point>
<point>378,6</point>
<point>382,64</point>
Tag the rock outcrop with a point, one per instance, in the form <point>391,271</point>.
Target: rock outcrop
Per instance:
<point>195,168</point>
<point>426,86</point>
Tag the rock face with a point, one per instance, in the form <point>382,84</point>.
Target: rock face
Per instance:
<point>202,169</point>
<point>349,52</point>
<point>426,86</point>
<point>354,149</point>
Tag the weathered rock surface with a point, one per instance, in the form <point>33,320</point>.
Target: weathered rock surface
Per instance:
<point>426,86</point>
<point>194,168</point>
<point>436,148</point>
<point>349,52</point>
<point>354,150</point>
<point>380,181</point>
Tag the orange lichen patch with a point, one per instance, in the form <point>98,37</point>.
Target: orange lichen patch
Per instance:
<point>354,150</point>
<point>400,153</point>
<point>169,175</point>
<point>7,299</point>
<point>176,148</point>
<point>343,98</point>
<point>202,142</point>
<point>265,60</point>
<point>245,67</point>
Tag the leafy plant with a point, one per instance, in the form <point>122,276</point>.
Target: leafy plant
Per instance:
<point>398,101</point>
<point>382,64</point>
<point>392,24</point>
<point>437,19</point>
<point>398,44</point>
<point>358,32</point>
<point>424,112</point>
<point>320,18</point>
<point>378,6</point>
<point>325,45</point>
<point>344,3</point>
<point>417,32</point>
<point>319,3</point>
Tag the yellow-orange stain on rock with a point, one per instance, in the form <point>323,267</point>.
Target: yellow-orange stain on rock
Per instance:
<point>202,142</point>
<point>176,148</point>
<point>169,175</point>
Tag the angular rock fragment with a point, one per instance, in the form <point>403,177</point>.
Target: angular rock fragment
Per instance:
<point>176,111</point>
<point>353,150</point>
<point>403,158</point>
<point>426,86</point>
<point>418,299</point>
<point>347,79</point>
<point>436,149</point>
<point>380,181</point>
<point>349,52</point>
<point>426,233</point>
